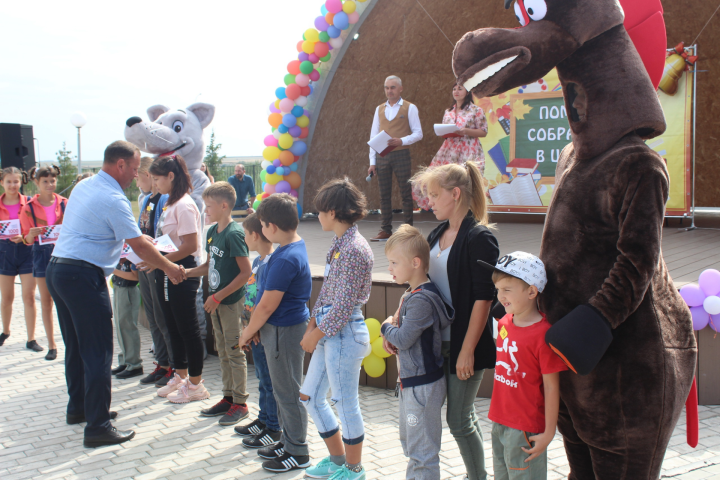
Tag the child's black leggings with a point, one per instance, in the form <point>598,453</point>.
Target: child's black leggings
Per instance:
<point>178,306</point>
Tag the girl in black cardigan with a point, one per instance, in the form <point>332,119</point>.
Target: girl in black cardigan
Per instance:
<point>457,196</point>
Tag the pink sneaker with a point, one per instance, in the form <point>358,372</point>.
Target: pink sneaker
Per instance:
<point>187,392</point>
<point>171,386</point>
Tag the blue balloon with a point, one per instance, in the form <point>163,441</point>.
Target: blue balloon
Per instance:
<point>324,10</point>
<point>282,129</point>
<point>280,93</point>
<point>334,31</point>
<point>298,148</point>
<point>341,21</point>
<point>294,167</point>
<point>299,211</point>
<point>312,89</point>
<point>263,186</point>
<point>280,171</point>
<point>297,111</point>
<point>270,169</point>
<point>289,120</point>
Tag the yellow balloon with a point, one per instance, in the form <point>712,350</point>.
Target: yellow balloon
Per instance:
<point>373,328</point>
<point>271,153</point>
<point>273,178</point>
<point>377,348</point>
<point>374,365</point>
<point>303,121</point>
<point>285,141</point>
<point>312,35</point>
<point>277,104</point>
<point>308,47</point>
<point>348,7</point>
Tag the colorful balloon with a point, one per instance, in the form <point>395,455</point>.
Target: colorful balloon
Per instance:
<point>299,148</point>
<point>269,189</point>
<point>333,6</point>
<point>299,45</point>
<point>302,80</point>
<point>329,18</point>
<point>333,32</point>
<point>274,109</point>
<point>280,93</point>
<point>294,67</point>
<point>280,171</point>
<point>289,78</point>
<point>286,105</point>
<point>321,24</point>
<point>276,162</point>
<point>292,91</point>
<point>710,282</point>
<point>324,37</point>
<point>271,153</point>
<point>302,56</point>
<point>349,6</point>
<point>301,101</point>
<point>313,58</point>
<point>272,179</point>
<point>341,20</point>
<point>282,187</point>
<point>314,76</point>
<point>374,365</point>
<point>256,204</point>
<point>711,304</point>
<point>285,141</point>
<point>293,178</point>
<point>321,49</point>
<point>353,18</point>
<point>700,318</point>
<point>303,121</point>
<point>373,328</point>
<point>275,119</point>
<point>298,111</point>
<point>327,57</point>
<point>377,348</point>
<point>305,132</point>
<point>270,170</point>
<point>306,67</point>
<point>295,131</point>
<point>336,42</point>
<point>287,158</point>
<point>264,164</point>
<point>282,129</point>
<point>308,47</point>
<point>311,35</point>
<point>294,193</point>
<point>289,120</point>
<point>692,294</point>
<point>294,167</point>
<point>271,141</point>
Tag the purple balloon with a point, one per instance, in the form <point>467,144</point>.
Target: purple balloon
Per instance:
<point>294,193</point>
<point>282,187</point>
<point>715,323</point>
<point>693,296</point>
<point>710,282</point>
<point>302,56</point>
<point>276,163</point>
<point>306,112</point>
<point>321,24</point>
<point>295,131</point>
<point>700,318</point>
<point>273,109</point>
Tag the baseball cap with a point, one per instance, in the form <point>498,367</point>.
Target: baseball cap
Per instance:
<point>525,266</point>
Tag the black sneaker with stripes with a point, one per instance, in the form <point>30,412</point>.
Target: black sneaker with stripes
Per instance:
<point>265,438</point>
<point>251,429</point>
<point>287,462</point>
<point>272,452</point>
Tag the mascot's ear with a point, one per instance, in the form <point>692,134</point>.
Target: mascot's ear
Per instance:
<point>204,113</point>
<point>155,111</point>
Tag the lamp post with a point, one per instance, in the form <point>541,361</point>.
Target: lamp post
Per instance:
<point>78,120</point>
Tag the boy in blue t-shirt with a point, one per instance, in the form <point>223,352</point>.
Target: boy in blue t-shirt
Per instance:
<point>281,318</point>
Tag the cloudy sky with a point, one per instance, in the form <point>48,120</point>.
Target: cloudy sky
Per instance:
<point>112,60</point>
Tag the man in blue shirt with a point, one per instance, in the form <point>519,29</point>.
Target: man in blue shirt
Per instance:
<point>98,219</point>
<point>244,187</point>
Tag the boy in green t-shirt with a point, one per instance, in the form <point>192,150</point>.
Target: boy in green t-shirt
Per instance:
<point>227,269</point>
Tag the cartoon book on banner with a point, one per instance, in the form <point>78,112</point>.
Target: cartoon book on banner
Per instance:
<point>520,191</point>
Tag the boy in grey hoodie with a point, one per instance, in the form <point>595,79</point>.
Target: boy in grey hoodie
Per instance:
<point>414,333</point>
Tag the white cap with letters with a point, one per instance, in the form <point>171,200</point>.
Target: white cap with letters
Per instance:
<point>525,266</point>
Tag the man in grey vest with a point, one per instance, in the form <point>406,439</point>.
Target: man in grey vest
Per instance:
<point>399,119</point>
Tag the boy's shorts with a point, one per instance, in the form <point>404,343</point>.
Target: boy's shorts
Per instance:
<point>15,258</point>
<point>41,259</point>
<point>509,459</point>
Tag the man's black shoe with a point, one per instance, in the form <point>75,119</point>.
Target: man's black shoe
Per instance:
<point>111,437</point>
<point>118,369</point>
<point>33,345</point>
<point>154,376</point>
<point>135,372</point>
<point>80,418</point>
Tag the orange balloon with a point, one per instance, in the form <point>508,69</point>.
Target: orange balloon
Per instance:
<point>329,18</point>
<point>294,180</point>
<point>286,158</point>
<point>275,120</point>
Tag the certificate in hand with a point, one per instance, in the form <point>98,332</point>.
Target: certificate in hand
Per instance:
<point>9,229</point>
<point>49,235</point>
<point>446,130</point>
<point>379,143</point>
<point>163,244</point>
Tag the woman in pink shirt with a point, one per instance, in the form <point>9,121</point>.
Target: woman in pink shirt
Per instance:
<point>180,220</point>
<point>44,210</point>
<point>15,258</point>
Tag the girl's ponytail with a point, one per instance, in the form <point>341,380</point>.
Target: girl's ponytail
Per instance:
<point>478,200</point>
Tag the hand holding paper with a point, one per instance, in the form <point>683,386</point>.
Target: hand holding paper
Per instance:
<point>380,144</point>
<point>162,244</point>
<point>446,130</point>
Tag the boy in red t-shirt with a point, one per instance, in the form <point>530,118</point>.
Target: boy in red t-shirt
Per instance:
<point>526,392</point>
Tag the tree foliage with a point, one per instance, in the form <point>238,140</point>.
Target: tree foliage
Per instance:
<point>68,171</point>
<point>213,160</point>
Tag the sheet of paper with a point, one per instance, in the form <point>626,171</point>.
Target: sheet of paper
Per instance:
<point>50,235</point>
<point>9,228</point>
<point>446,130</point>
<point>163,244</point>
<point>379,143</point>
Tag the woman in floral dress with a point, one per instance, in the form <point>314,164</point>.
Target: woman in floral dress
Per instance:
<point>472,123</point>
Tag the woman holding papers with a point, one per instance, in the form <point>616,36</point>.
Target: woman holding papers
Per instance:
<point>462,125</point>
<point>37,218</point>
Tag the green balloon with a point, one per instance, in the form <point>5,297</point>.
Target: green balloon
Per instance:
<point>290,78</point>
<point>306,67</point>
<point>256,204</point>
<point>324,37</point>
<point>262,175</point>
<point>326,58</point>
<point>304,37</point>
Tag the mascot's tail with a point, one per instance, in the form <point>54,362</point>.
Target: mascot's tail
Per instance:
<point>691,416</point>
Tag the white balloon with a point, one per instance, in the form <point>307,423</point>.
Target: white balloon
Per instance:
<point>301,101</point>
<point>336,42</point>
<point>277,134</point>
<point>712,305</point>
<point>264,164</point>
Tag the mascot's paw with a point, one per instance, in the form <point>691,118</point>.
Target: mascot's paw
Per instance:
<point>580,338</point>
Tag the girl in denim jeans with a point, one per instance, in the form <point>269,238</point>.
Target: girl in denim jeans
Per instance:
<point>337,335</point>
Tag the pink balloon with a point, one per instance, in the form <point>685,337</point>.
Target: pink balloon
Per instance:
<point>313,58</point>
<point>269,189</point>
<point>710,282</point>
<point>286,105</point>
<point>354,18</point>
<point>692,295</point>
<point>302,80</point>
<point>271,141</point>
<point>273,109</point>
<point>700,318</point>
<point>333,6</point>
<point>294,193</point>
<point>314,75</point>
<point>714,322</point>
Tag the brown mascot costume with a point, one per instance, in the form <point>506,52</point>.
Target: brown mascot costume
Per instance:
<point>618,320</point>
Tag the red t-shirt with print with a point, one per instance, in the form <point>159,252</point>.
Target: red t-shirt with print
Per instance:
<point>518,398</point>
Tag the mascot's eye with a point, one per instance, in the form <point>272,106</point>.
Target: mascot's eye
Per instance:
<point>519,14</point>
<point>177,126</point>
<point>536,9</point>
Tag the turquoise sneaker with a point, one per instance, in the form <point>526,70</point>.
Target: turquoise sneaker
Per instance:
<point>344,474</point>
<point>324,469</point>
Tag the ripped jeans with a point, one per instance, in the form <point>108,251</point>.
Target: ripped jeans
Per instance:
<point>335,366</point>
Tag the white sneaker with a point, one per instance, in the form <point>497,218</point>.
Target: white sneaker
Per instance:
<point>171,386</point>
<point>187,392</point>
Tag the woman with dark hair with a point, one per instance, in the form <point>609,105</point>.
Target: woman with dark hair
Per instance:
<point>470,119</point>
<point>180,219</point>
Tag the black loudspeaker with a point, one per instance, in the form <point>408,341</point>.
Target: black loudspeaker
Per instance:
<point>16,146</point>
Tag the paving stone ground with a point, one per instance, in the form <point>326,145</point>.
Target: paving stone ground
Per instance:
<point>173,442</point>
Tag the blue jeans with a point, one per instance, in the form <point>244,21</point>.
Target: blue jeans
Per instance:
<point>268,406</point>
<point>335,365</point>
